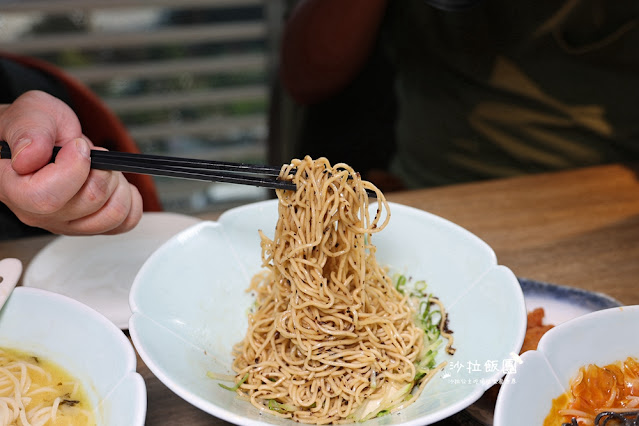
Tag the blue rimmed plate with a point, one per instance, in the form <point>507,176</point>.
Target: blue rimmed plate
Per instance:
<point>562,303</point>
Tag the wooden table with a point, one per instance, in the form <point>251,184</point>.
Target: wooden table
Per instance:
<point>578,228</point>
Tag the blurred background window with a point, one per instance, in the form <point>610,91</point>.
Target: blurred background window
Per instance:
<point>187,78</point>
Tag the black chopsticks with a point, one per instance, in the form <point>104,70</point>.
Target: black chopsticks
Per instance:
<point>185,168</point>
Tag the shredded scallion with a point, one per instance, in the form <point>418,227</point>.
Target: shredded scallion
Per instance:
<point>237,385</point>
<point>279,407</point>
<point>428,318</point>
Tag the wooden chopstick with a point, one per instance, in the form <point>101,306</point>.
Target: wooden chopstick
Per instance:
<point>185,168</point>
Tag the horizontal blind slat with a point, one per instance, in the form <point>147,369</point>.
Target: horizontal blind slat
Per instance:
<point>226,32</point>
<point>221,126</point>
<point>186,98</point>
<point>171,68</point>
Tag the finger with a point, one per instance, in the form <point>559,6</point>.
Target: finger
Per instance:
<point>50,188</point>
<point>108,220</point>
<point>32,125</point>
<point>134,216</point>
<point>94,194</point>
<point>6,174</point>
<point>31,147</point>
<point>112,215</point>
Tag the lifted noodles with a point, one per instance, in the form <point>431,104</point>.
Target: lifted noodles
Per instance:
<point>331,338</point>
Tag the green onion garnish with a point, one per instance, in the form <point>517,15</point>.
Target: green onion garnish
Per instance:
<point>237,385</point>
<point>279,407</point>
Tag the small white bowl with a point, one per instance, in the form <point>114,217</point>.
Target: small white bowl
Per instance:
<point>190,305</point>
<point>601,338</point>
<point>83,342</point>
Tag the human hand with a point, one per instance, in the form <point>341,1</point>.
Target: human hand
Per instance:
<point>67,196</point>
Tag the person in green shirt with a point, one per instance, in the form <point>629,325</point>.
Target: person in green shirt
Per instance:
<point>500,89</point>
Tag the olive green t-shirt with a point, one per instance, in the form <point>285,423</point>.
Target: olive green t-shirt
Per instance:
<point>513,87</point>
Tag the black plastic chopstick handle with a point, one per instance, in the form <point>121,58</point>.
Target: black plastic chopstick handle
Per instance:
<point>209,176</point>
<point>5,152</point>
<point>178,168</point>
<point>158,160</point>
<point>184,168</point>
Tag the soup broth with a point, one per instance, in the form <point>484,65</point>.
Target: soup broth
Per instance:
<point>35,391</point>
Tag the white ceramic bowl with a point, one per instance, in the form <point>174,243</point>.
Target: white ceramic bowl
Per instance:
<point>601,338</point>
<point>84,343</point>
<point>189,307</point>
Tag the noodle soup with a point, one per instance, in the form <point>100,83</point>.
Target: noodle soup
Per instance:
<point>35,391</point>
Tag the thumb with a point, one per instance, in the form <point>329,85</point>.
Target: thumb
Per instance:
<point>30,152</point>
<point>32,125</point>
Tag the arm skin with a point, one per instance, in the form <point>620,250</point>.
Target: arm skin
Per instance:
<point>325,43</point>
<point>65,197</point>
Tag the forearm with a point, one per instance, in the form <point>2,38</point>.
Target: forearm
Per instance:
<point>325,43</point>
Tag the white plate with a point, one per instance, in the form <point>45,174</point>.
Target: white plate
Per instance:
<point>99,270</point>
<point>190,305</point>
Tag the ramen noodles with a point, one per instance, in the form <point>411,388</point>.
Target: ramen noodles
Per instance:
<point>334,337</point>
<point>36,392</point>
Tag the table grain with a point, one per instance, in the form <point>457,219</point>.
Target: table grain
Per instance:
<point>578,228</point>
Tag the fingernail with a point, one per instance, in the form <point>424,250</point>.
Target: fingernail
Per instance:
<point>19,147</point>
<point>83,147</point>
